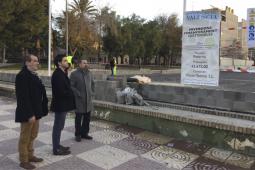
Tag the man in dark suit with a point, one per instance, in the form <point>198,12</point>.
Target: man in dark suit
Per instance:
<point>83,86</point>
<point>62,102</point>
<point>32,105</point>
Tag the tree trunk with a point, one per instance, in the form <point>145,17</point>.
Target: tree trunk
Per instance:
<point>4,52</point>
<point>73,51</point>
<point>122,59</point>
<point>159,60</point>
<point>171,58</point>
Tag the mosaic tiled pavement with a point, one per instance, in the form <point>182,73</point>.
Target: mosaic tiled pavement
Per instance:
<point>115,147</point>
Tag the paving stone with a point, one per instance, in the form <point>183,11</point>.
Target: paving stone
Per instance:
<point>12,111</point>
<point>180,159</point>
<point>207,164</point>
<point>134,145</point>
<point>141,164</point>
<point>107,157</point>
<point>107,136</point>
<point>3,127</point>
<point>7,163</point>
<point>128,130</point>
<point>74,163</point>
<point>8,134</point>
<point>7,101</point>
<point>188,146</point>
<point>171,157</point>
<point>80,147</point>
<point>240,160</point>
<point>159,154</point>
<point>217,154</point>
<point>9,146</point>
<point>5,113</point>
<point>45,128</point>
<point>7,117</point>
<point>10,124</point>
<point>91,129</point>
<point>8,106</point>
<point>46,137</point>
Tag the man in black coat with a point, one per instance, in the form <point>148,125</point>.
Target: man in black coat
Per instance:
<point>32,105</point>
<point>62,102</point>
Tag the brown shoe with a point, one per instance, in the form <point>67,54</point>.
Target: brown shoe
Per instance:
<point>35,159</point>
<point>27,165</point>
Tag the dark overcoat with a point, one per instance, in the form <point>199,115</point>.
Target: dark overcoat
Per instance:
<point>62,94</point>
<point>31,96</point>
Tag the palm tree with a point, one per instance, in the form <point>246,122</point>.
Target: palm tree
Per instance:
<point>83,8</point>
<point>82,11</point>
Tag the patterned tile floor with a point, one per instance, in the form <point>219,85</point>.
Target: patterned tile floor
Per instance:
<point>114,146</point>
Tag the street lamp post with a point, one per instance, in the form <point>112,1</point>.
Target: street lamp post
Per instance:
<point>184,6</point>
<point>184,10</point>
<point>66,28</point>
<point>49,41</point>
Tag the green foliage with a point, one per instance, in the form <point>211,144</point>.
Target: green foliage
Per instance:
<point>81,33</point>
<point>22,22</point>
<point>144,40</point>
<point>83,8</point>
<point>24,25</point>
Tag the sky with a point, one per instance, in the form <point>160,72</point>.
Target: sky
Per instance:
<point>149,9</point>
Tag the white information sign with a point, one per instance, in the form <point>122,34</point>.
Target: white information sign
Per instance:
<point>251,27</point>
<point>200,48</point>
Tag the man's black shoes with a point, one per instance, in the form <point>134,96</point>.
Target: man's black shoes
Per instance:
<point>61,152</point>
<point>66,148</point>
<point>87,137</point>
<point>77,138</point>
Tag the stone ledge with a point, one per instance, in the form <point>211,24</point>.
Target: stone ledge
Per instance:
<point>205,110</point>
<point>199,119</point>
<point>197,96</point>
<point>191,117</point>
<point>7,90</point>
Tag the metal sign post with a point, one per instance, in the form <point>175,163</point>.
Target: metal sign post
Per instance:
<point>49,41</point>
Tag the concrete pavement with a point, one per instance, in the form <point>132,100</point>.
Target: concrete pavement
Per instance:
<point>115,147</point>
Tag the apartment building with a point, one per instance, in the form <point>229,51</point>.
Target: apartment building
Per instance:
<point>233,41</point>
